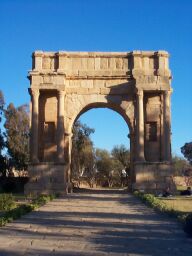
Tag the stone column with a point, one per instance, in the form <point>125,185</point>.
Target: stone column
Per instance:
<point>140,128</point>
<point>60,127</point>
<point>68,147</point>
<point>167,126</point>
<point>132,176</point>
<point>35,125</point>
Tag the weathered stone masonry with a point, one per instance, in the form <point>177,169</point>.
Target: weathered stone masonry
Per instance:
<point>66,84</point>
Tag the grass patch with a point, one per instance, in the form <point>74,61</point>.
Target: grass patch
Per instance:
<point>181,188</point>
<point>170,206</point>
<point>181,203</point>
<point>16,212</point>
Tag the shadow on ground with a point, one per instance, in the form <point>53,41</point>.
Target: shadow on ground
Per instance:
<point>95,223</point>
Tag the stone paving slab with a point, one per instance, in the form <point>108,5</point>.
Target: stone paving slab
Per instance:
<point>94,224</point>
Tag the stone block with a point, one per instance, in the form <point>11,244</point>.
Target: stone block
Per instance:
<point>36,80</point>
<point>151,63</point>
<point>62,63</point>
<point>119,63</point>
<point>112,82</point>
<point>125,64</point>
<point>90,63</point>
<point>48,79</point>
<point>84,63</point>
<point>76,63</point>
<point>97,63</point>
<point>72,73</point>
<point>87,84</point>
<point>145,63</point>
<point>83,91</point>
<point>104,63</point>
<point>45,184</point>
<point>59,80</point>
<point>94,90</point>
<point>99,83</point>
<point>74,83</point>
<point>112,63</point>
<point>102,98</point>
<point>148,174</point>
<point>104,90</point>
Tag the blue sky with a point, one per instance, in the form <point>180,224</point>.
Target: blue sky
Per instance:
<point>85,25</point>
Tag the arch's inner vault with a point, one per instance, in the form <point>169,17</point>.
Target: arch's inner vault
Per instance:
<point>65,84</point>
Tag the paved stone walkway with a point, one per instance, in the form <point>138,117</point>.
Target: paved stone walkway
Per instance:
<point>94,224</point>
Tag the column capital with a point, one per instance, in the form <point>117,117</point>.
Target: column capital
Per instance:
<point>168,92</point>
<point>68,134</point>
<point>139,92</point>
<point>61,93</point>
<point>34,92</point>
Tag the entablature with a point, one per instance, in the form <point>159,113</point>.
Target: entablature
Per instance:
<point>100,64</point>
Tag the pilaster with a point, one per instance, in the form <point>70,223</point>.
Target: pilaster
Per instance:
<point>35,125</point>
<point>167,126</point>
<point>60,127</point>
<point>140,127</point>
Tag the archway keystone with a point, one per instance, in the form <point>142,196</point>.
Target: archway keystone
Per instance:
<point>66,84</point>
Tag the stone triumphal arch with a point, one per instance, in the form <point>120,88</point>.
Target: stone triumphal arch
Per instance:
<point>66,84</point>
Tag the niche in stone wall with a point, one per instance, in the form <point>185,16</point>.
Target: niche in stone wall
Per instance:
<point>151,131</point>
<point>49,132</point>
<point>47,126</point>
<point>152,110</point>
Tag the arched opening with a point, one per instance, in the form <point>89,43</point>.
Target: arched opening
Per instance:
<point>105,158</point>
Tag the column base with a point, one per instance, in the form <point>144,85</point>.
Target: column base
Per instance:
<point>153,177</point>
<point>46,178</point>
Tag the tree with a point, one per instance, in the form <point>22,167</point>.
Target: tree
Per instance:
<point>83,156</point>
<point>179,165</point>
<point>108,169</point>
<point>104,167</point>
<point>17,135</point>
<point>188,176</point>
<point>122,154</point>
<point>3,164</point>
<point>2,104</point>
<point>186,150</point>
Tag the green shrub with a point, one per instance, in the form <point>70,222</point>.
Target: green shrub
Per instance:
<point>7,202</point>
<point>157,204</point>
<point>15,213</point>
<point>42,199</point>
<point>188,224</point>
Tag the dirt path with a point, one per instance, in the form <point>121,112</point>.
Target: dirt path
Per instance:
<point>106,223</point>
